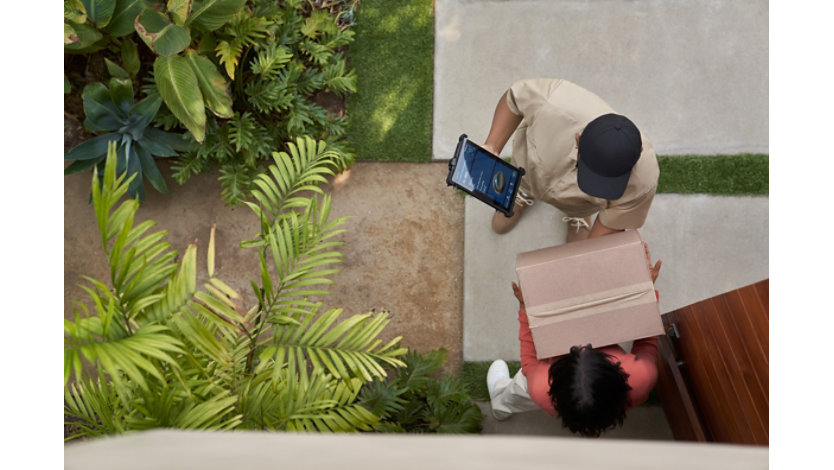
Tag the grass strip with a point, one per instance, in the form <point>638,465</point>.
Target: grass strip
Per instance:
<point>743,174</point>
<point>393,55</point>
<point>474,375</point>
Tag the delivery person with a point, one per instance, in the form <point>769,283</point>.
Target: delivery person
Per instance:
<point>590,389</point>
<point>580,156</point>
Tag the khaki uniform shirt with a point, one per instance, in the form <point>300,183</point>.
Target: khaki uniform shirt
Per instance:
<point>553,111</point>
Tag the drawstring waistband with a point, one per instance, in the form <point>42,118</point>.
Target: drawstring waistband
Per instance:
<point>577,222</point>
<point>523,199</point>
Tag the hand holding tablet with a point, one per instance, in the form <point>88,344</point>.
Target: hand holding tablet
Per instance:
<point>482,174</point>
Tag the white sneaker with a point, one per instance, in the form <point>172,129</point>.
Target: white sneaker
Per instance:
<point>497,370</point>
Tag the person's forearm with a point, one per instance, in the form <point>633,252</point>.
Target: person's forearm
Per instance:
<point>525,337</point>
<point>504,123</point>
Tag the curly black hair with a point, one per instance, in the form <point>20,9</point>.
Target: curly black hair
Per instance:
<point>589,391</point>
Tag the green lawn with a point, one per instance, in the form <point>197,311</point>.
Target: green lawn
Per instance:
<point>393,55</point>
<point>474,376</point>
<point>733,175</point>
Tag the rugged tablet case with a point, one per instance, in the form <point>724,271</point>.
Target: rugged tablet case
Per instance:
<point>479,195</point>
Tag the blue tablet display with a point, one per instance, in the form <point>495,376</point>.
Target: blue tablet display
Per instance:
<point>477,171</point>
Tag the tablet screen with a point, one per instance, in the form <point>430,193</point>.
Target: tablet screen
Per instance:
<point>479,171</point>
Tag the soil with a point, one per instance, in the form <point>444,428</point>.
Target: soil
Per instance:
<point>403,251</point>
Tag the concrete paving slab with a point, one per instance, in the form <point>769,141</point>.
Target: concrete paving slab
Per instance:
<point>202,450</point>
<point>709,245</point>
<point>645,422</point>
<point>692,75</point>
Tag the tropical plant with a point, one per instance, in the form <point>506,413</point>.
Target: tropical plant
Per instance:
<point>264,68</point>
<point>413,399</point>
<point>281,58</point>
<point>91,25</point>
<point>106,26</point>
<point>156,350</point>
<point>113,114</point>
<point>187,80</point>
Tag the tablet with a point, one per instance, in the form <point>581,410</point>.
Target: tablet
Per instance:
<point>478,172</point>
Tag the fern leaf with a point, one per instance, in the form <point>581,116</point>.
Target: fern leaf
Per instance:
<point>269,60</point>
<point>336,80</point>
<point>187,165</point>
<point>241,128</point>
<point>228,53</point>
<point>317,53</point>
<point>235,180</point>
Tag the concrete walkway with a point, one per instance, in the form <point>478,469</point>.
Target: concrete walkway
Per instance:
<point>692,75</point>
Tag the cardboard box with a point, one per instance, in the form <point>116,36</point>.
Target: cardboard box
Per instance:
<point>597,291</point>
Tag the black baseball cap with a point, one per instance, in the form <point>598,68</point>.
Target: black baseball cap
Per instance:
<point>609,147</point>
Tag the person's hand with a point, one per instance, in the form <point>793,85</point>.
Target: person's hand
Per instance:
<point>653,270</point>
<point>489,148</point>
<point>517,292</point>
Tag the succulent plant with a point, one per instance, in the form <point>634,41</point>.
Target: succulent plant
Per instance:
<point>114,115</point>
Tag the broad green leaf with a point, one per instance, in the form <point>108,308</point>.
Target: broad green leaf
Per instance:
<point>79,165</point>
<point>93,148</point>
<point>157,149</point>
<point>147,108</point>
<point>70,36</point>
<point>213,86</point>
<point>162,36</point>
<point>135,188</point>
<point>101,114</point>
<point>130,56</point>
<point>88,39</point>
<point>99,12</point>
<point>207,44</point>
<point>124,17</point>
<point>116,71</point>
<point>121,92</point>
<point>175,141</point>
<point>150,170</point>
<point>178,86</point>
<point>179,9</point>
<point>209,15</point>
<point>74,11</point>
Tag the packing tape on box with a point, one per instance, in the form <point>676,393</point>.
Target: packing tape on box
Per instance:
<point>580,306</point>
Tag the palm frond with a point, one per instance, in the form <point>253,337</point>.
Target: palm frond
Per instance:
<point>127,361</point>
<point>171,408</point>
<point>207,321</point>
<point>304,168</point>
<point>298,400</point>
<point>140,263</point>
<point>95,409</point>
<point>348,349</point>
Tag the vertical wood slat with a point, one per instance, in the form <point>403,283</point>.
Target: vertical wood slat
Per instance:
<point>708,383</point>
<point>752,359</point>
<point>678,406</point>
<point>737,371</point>
<point>724,345</point>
